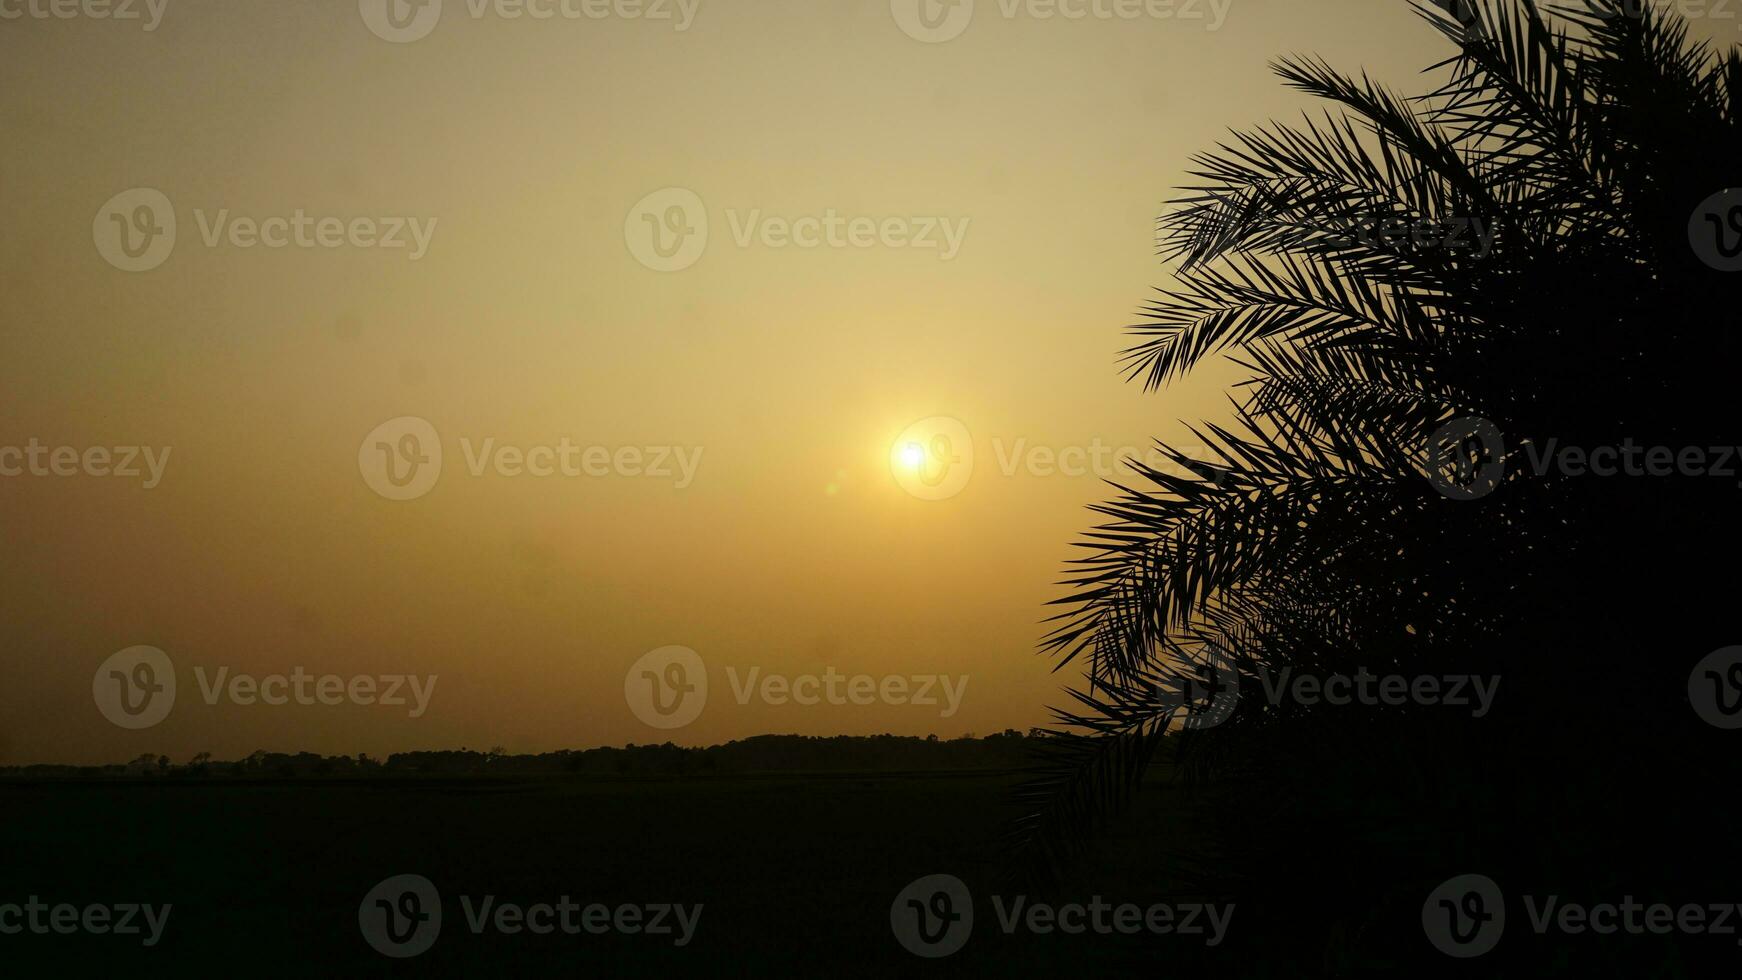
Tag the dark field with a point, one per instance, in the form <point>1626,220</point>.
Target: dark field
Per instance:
<point>796,873</point>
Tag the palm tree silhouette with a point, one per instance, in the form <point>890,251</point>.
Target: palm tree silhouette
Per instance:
<point>1434,296</point>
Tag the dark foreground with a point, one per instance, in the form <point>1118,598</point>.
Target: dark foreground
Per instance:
<point>794,873</point>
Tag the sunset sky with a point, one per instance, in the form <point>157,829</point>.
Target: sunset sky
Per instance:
<point>794,546</point>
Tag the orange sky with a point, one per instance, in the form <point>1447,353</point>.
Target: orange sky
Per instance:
<point>980,228</point>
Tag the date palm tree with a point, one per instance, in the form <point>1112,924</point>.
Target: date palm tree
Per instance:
<point>1435,297</point>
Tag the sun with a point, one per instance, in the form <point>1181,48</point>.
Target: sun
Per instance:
<point>912,455</point>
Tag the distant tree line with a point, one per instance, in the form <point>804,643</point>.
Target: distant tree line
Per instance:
<point>761,753</point>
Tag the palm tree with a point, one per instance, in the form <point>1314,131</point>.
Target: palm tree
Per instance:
<point>1432,295</point>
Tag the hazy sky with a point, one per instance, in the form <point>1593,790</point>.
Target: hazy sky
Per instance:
<point>533,312</point>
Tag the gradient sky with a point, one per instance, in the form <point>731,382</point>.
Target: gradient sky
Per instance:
<point>529,320</point>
